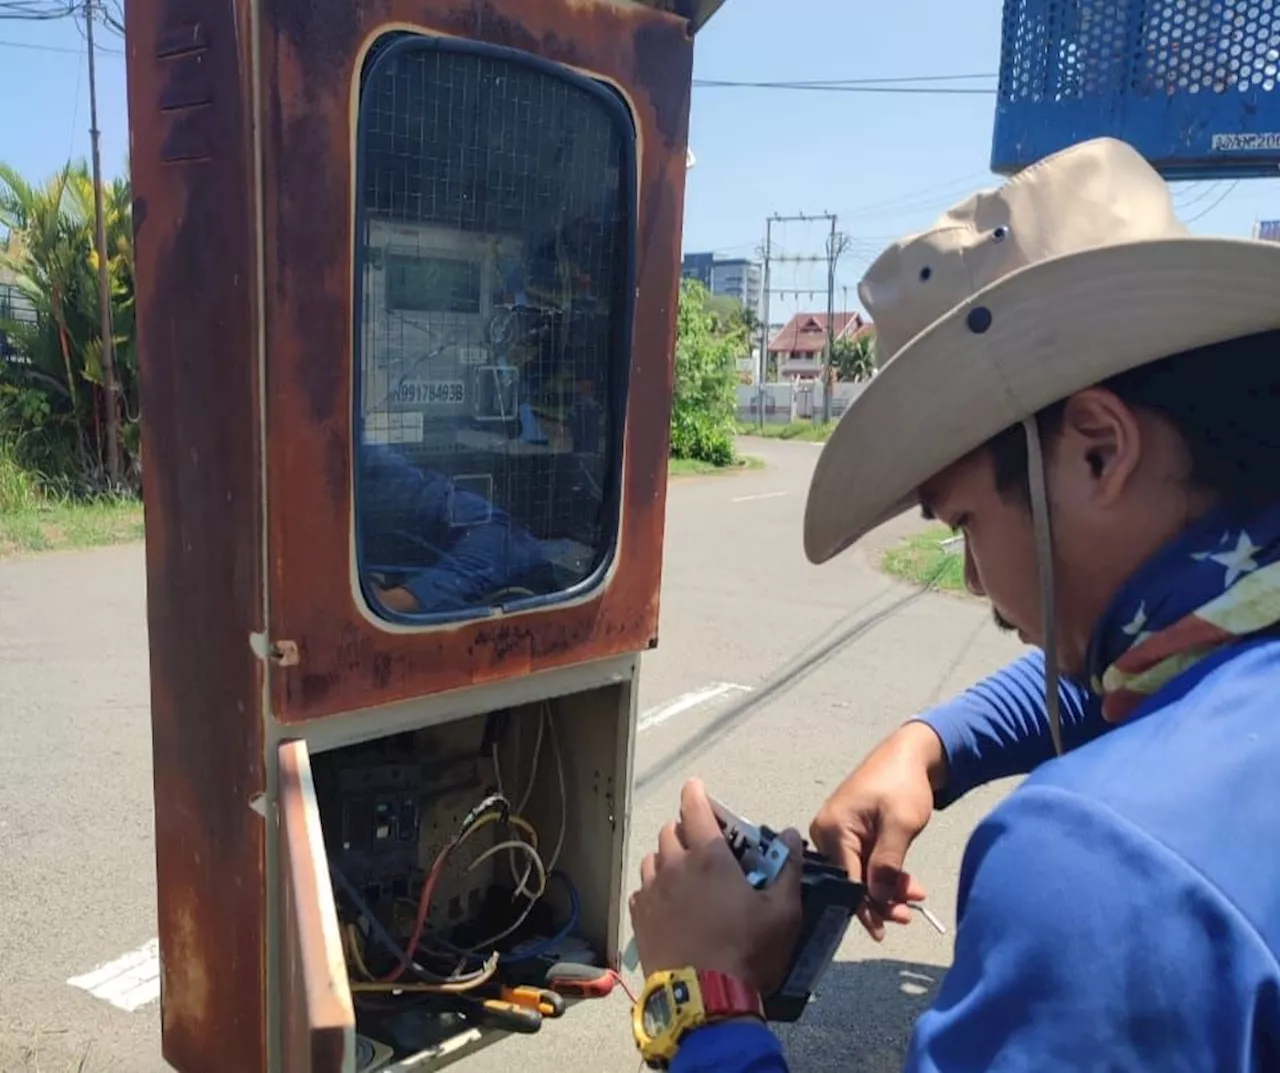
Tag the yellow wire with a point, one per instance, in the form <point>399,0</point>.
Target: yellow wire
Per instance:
<point>353,940</point>
<point>493,817</point>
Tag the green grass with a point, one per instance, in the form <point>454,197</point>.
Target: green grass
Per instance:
<point>922,560</point>
<point>692,467</point>
<point>52,526</point>
<point>807,431</point>
<point>32,520</point>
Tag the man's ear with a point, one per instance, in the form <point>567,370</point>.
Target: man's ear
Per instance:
<point>1101,434</point>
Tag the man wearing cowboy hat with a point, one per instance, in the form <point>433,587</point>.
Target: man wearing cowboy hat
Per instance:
<point>1092,397</point>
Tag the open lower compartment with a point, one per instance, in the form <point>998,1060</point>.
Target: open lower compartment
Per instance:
<point>426,871</point>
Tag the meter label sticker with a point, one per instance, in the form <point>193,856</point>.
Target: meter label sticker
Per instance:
<point>818,952</point>
<point>430,392</point>
<point>1245,142</point>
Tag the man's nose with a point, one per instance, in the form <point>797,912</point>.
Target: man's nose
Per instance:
<point>971,580</point>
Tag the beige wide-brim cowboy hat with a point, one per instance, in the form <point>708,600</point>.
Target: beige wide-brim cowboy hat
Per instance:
<point>1073,271</point>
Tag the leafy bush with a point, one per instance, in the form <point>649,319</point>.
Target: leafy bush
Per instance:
<point>705,402</point>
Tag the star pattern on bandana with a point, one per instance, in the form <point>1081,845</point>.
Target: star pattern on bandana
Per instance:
<point>1238,561</point>
<point>1137,625</point>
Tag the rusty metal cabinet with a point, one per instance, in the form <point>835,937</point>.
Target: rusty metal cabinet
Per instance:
<point>272,280</point>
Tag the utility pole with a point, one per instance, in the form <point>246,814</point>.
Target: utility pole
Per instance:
<point>764,326</point>
<point>835,247</point>
<point>802,218</point>
<point>109,385</point>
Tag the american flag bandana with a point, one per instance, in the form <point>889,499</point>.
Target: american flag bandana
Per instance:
<point>1216,583</point>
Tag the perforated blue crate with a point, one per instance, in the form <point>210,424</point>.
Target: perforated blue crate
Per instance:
<point>1194,85</point>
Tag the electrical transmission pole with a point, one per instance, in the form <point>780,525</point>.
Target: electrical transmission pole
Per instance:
<point>764,326</point>
<point>109,385</point>
<point>835,247</point>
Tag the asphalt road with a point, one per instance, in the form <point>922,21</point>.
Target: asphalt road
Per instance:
<point>834,657</point>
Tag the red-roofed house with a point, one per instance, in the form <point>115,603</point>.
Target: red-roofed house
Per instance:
<point>797,350</point>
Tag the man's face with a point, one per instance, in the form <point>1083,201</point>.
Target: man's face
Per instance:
<point>1116,483</point>
<point>999,542</point>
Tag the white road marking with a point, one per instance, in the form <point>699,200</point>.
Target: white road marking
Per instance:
<point>132,980</point>
<point>686,703</point>
<point>128,983</point>
<point>758,495</point>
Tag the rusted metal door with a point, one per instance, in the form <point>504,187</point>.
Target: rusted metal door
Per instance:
<point>317,1015</point>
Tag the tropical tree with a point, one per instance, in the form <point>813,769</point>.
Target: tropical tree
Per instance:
<point>55,396</point>
<point>854,359</point>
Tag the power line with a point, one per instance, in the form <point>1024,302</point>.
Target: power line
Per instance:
<point>31,46</point>
<point>789,82</point>
<point>1214,204</point>
<point>944,91</point>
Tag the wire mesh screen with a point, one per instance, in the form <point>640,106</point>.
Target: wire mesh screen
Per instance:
<point>1193,84</point>
<point>492,344</point>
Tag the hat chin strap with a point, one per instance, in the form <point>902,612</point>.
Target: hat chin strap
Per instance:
<point>1044,559</point>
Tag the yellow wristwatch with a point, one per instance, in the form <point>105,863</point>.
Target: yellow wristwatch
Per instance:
<point>674,1003</point>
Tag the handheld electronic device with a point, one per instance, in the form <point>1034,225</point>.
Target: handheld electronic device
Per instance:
<point>829,898</point>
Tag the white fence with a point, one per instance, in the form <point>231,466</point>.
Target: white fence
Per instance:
<point>784,403</point>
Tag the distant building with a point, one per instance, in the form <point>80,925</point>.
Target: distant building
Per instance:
<point>1269,230</point>
<point>14,306</point>
<point>797,350</point>
<point>734,277</point>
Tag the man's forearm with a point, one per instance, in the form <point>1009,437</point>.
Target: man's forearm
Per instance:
<point>1000,727</point>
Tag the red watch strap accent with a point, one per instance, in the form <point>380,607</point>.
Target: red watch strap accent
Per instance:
<point>727,996</point>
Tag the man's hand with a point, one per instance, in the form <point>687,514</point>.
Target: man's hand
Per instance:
<point>398,599</point>
<point>869,822</point>
<point>695,907</point>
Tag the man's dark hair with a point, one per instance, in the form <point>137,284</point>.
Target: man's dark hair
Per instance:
<point>1224,401</point>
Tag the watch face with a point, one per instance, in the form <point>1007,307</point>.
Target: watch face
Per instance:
<point>657,1013</point>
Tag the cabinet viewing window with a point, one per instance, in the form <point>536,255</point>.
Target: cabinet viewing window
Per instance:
<point>494,246</point>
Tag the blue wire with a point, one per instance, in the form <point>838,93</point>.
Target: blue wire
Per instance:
<point>575,909</point>
<point>375,925</point>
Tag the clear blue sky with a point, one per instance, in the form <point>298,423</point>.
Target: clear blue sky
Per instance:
<point>885,163</point>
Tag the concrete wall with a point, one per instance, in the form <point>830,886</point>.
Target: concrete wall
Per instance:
<point>784,403</point>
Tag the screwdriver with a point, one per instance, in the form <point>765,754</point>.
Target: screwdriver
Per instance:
<point>547,1003</point>
<point>582,981</point>
<point>498,1013</point>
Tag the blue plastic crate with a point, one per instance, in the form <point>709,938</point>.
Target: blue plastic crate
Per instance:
<point>1194,85</point>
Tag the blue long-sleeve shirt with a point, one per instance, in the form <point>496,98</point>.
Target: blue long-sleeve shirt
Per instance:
<point>1120,909</point>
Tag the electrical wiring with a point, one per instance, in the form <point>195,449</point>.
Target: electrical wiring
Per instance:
<point>516,844</point>
<point>495,808</point>
<point>564,790</point>
<point>385,938</point>
<point>546,725</point>
<point>457,987</point>
<point>540,948</point>
<point>351,947</point>
<point>479,816</point>
<point>521,880</point>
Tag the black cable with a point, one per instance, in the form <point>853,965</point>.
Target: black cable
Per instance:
<point>845,88</point>
<point>824,82</point>
<point>1205,212</point>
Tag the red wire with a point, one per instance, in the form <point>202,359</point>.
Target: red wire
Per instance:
<point>623,984</point>
<point>424,906</point>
